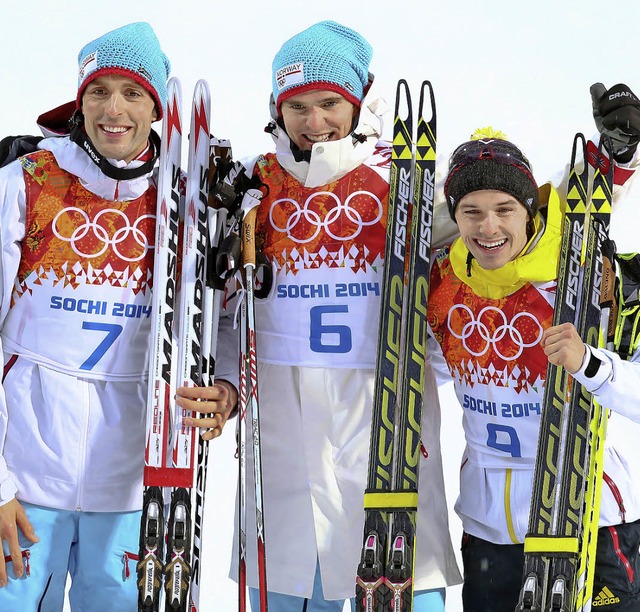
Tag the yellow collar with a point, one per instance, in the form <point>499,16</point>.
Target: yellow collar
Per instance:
<point>538,261</point>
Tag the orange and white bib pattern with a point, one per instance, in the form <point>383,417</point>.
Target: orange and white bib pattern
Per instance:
<point>326,245</point>
<point>493,351</point>
<point>81,301</point>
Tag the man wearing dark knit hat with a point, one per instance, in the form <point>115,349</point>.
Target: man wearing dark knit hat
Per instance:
<point>492,167</point>
<point>490,314</point>
<point>78,228</point>
<point>322,225</point>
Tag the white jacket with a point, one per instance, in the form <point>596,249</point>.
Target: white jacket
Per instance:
<point>315,427</point>
<point>71,439</point>
<point>72,433</point>
<point>494,502</point>
<point>494,499</point>
<point>616,387</point>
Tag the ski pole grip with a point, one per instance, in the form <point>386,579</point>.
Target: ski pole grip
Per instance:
<point>249,238</point>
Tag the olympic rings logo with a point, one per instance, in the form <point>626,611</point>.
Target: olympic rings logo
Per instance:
<point>101,234</point>
<point>504,333</point>
<point>344,214</point>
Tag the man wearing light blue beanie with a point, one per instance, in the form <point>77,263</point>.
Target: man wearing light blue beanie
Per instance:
<point>322,225</point>
<point>326,56</point>
<point>77,224</point>
<point>132,51</point>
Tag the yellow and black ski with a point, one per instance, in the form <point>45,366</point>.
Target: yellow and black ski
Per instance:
<point>560,544</point>
<point>385,573</point>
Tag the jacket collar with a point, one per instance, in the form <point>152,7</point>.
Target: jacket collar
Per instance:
<point>71,158</point>
<point>331,161</point>
<point>538,262</point>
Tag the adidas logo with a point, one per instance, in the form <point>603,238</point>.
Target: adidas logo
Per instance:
<point>605,598</point>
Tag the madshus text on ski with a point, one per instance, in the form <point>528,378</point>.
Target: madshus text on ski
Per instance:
<point>201,243</point>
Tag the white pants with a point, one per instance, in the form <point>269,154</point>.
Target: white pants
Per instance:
<point>423,601</point>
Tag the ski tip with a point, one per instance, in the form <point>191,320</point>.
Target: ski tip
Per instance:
<point>174,83</point>
<point>403,101</point>
<point>202,86</point>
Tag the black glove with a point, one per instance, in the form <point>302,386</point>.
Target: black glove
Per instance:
<point>617,114</point>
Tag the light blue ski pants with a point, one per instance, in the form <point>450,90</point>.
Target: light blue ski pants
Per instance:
<point>95,549</point>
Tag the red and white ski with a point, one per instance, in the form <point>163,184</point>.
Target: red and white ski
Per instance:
<point>162,372</point>
<point>180,356</point>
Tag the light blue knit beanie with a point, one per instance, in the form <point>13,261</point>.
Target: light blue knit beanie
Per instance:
<point>326,55</point>
<point>132,51</point>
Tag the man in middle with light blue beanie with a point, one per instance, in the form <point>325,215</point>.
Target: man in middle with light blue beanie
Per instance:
<point>322,225</point>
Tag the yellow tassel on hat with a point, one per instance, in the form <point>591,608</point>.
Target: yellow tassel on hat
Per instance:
<point>486,133</point>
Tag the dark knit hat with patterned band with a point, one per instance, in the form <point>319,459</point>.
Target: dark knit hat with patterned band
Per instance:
<point>490,163</point>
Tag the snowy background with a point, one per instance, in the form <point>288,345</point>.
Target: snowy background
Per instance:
<point>522,67</point>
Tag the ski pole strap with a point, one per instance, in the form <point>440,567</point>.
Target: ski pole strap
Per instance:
<point>628,332</point>
<point>556,545</point>
<point>406,500</point>
<point>627,336</point>
<point>265,273</point>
